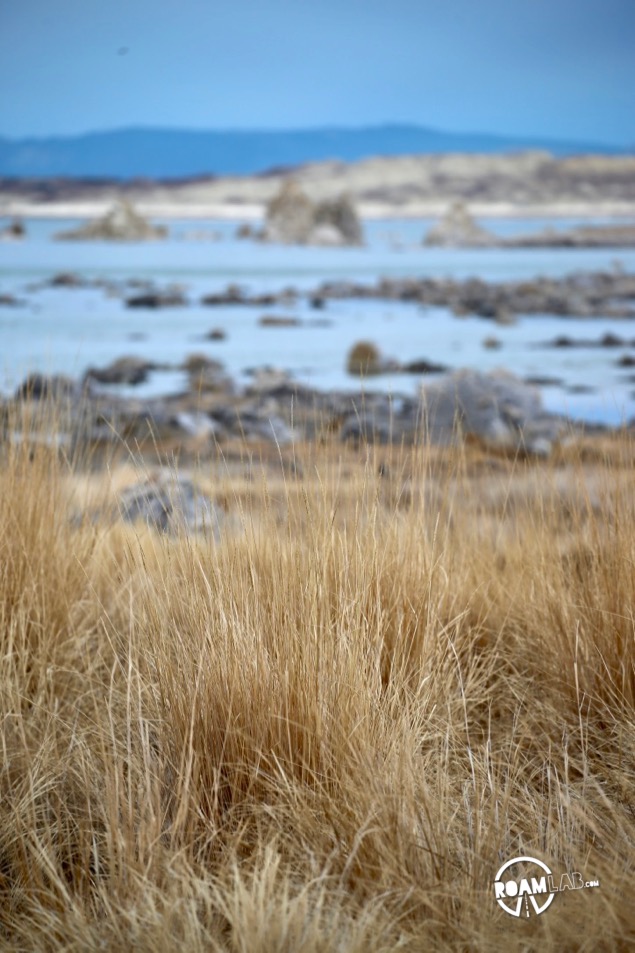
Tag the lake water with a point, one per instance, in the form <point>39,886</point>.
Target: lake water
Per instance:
<point>66,330</point>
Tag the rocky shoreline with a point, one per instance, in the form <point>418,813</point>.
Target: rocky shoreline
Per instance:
<point>586,294</point>
<point>497,410</point>
<point>457,228</point>
<point>581,294</point>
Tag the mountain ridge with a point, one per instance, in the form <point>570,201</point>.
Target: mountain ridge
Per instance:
<point>164,153</point>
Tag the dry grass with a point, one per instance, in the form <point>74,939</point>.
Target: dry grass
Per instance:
<point>327,731</point>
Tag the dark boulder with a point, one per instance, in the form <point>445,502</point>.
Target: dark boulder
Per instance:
<point>13,232</point>
<point>157,299</point>
<point>423,366</point>
<point>125,370</point>
<point>45,386</point>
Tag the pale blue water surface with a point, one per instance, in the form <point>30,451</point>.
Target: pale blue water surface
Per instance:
<point>66,330</point>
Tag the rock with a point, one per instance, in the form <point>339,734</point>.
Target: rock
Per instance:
<point>121,223</point>
<point>233,294</point>
<point>491,344</point>
<point>611,340</point>
<point>367,428</point>
<point>587,294</point>
<point>585,236</point>
<point>293,219</point>
<point>198,424</point>
<point>380,419</point>
<point>325,235</point>
<point>498,408</point>
<point>627,360</point>
<point>172,505</point>
<point>270,380</point>
<point>67,279</point>
<point>157,299</point>
<point>245,231</point>
<point>272,428</point>
<point>607,340</point>
<point>216,334</point>
<point>13,232</point>
<point>365,359</point>
<point>340,215</point>
<point>423,366</point>
<point>125,370</point>
<point>543,380</point>
<point>207,375</point>
<point>290,216</point>
<point>279,321</point>
<point>253,423</point>
<point>504,317</point>
<point>44,386</point>
<point>457,229</point>
<point>194,363</point>
<point>10,301</point>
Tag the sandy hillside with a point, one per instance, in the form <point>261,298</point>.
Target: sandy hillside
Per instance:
<point>527,183</point>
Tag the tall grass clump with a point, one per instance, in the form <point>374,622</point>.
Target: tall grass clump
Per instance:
<point>327,729</point>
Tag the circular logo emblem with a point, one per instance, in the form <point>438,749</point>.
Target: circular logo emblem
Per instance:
<point>521,887</point>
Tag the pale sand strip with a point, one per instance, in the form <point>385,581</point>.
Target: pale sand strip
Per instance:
<point>253,212</point>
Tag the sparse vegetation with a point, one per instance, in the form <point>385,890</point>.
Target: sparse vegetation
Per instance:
<point>364,358</point>
<point>328,730</point>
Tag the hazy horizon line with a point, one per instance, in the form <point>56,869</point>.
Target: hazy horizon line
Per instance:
<point>318,127</point>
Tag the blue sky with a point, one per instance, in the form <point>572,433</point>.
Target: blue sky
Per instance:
<point>559,68</point>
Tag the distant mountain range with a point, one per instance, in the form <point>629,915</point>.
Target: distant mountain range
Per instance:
<point>175,153</point>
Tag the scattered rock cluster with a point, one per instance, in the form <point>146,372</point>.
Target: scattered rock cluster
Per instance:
<point>122,223</point>
<point>366,360</point>
<point>498,409</point>
<point>458,229</point>
<point>235,295</point>
<point>585,236</point>
<point>583,294</point>
<point>292,218</point>
<point>609,294</point>
<point>171,504</point>
<point>155,298</point>
<point>125,370</point>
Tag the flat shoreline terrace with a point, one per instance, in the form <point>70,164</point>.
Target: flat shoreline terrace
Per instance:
<point>532,184</point>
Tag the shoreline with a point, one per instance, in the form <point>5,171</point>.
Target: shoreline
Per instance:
<point>368,211</point>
